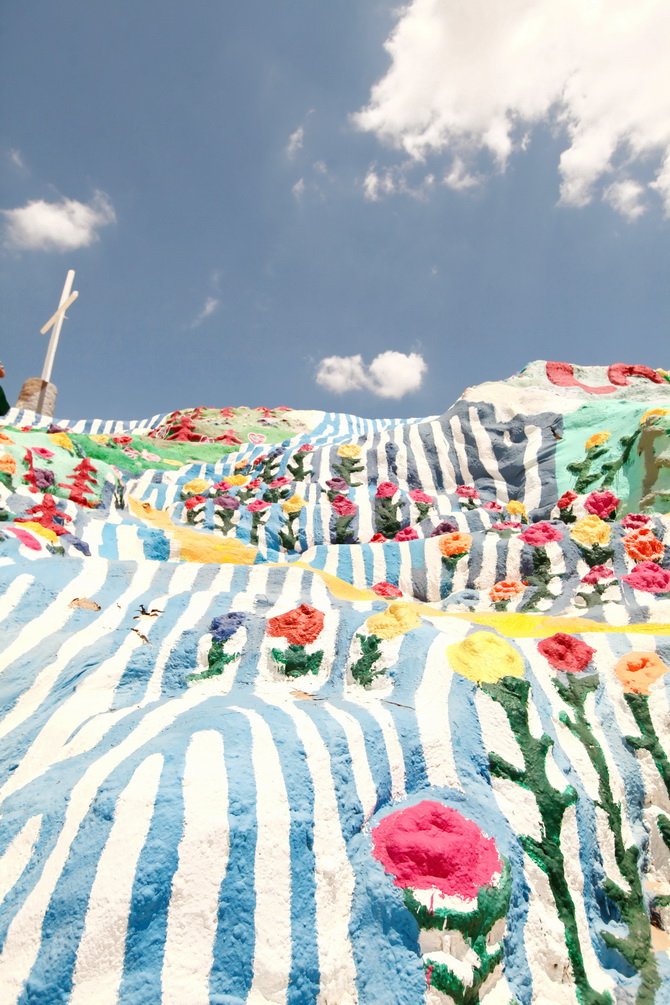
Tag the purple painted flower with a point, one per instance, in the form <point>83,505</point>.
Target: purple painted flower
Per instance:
<point>446,527</point>
<point>226,625</point>
<point>43,479</point>
<point>337,485</point>
<point>227,502</point>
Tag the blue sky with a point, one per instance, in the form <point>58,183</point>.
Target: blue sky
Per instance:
<point>233,223</point>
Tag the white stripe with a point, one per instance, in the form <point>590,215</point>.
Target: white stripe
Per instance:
<point>272,917</point>
<point>365,785</point>
<point>14,593</point>
<point>431,703</point>
<point>396,758</point>
<point>486,455</point>
<point>203,859</point>
<point>25,931</point>
<point>99,966</point>
<point>459,445</point>
<point>18,854</point>
<point>533,489</point>
<point>443,458</point>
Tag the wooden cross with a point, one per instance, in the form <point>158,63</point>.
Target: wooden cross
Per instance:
<point>56,320</point>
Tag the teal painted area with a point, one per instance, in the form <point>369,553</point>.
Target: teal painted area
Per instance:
<point>620,419</point>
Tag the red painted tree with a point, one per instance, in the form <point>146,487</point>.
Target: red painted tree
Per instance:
<point>82,479</point>
<point>44,513</point>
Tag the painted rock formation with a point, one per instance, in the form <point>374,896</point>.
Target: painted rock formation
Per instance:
<point>306,708</point>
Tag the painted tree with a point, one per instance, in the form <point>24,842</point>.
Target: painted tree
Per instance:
<point>82,482</point>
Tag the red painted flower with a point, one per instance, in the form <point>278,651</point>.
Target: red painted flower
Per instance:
<point>258,505</point>
<point>378,539</point>
<point>597,573</point>
<point>539,534</point>
<point>565,652</point>
<point>406,534</point>
<point>122,440</point>
<point>602,504</point>
<point>221,486</point>
<point>344,506</point>
<point>633,521</point>
<point>567,499</point>
<point>306,448</point>
<point>386,489</point>
<point>433,847</point>
<point>642,545</point>
<point>467,492</point>
<point>385,589</point>
<point>255,484</point>
<point>648,577</point>
<point>194,501</point>
<point>299,627</point>
<point>417,496</point>
<point>280,482</point>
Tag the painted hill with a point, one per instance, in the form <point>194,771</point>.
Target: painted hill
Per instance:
<point>300,707</point>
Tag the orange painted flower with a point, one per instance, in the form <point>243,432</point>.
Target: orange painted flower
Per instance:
<point>5,439</point>
<point>8,464</point>
<point>637,670</point>
<point>643,546</point>
<point>454,544</point>
<point>506,589</point>
<point>597,440</point>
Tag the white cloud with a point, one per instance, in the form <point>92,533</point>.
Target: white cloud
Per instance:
<point>57,226</point>
<point>16,158</point>
<point>390,374</point>
<point>393,180</point>
<point>625,196</point>
<point>477,76</point>
<point>210,305</point>
<point>295,141</point>
<point>299,188</point>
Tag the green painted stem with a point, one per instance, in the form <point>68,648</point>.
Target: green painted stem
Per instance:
<point>636,948</point>
<point>648,740</point>
<point>512,694</point>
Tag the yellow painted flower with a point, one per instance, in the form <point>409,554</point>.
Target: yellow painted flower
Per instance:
<point>663,373</point>
<point>61,440</point>
<point>237,479</point>
<point>99,438</point>
<point>597,440</point>
<point>517,508</point>
<point>485,658</point>
<point>591,530</point>
<point>292,505</point>
<point>654,413</point>
<point>349,450</point>
<point>195,487</point>
<point>397,619</point>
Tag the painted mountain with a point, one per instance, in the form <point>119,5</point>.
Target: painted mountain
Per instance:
<point>299,707</point>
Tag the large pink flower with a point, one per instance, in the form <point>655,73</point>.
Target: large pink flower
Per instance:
<point>417,496</point>
<point>539,534</point>
<point>648,577</point>
<point>433,847</point>
<point>467,492</point>
<point>602,504</point>
<point>406,534</point>
<point>597,573</point>
<point>633,521</point>
<point>385,490</point>
<point>565,652</point>
<point>344,506</point>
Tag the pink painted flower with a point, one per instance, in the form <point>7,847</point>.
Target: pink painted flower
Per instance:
<point>507,525</point>
<point>602,504</point>
<point>492,507</point>
<point>417,496</point>
<point>406,534</point>
<point>385,490</point>
<point>306,448</point>
<point>344,506</point>
<point>194,501</point>
<point>131,452</point>
<point>634,521</point>
<point>258,505</point>
<point>385,589</point>
<point>434,847</point>
<point>467,492</point>
<point>280,482</point>
<point>222,486</point>
<point>43,452</point>
<point>540,534</point>
<point>648,577</point>
<point>565,652</point>
<point>567,499</point>
<point>378,539</point>
<point>597,573</point>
